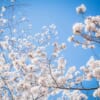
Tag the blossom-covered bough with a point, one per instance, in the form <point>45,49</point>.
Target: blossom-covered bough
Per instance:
<point>89,30</point>
<point>32,66</point>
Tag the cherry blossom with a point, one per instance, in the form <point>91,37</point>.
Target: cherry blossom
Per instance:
<point>28,71</point>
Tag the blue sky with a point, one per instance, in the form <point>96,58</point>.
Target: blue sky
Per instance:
<point>61,13</point>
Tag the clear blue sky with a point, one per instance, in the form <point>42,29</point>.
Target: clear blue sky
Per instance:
<point>61,13</point>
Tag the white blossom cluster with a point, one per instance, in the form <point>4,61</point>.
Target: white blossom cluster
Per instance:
<point>93,69</point>
<point>77,28</point>
<point>89,30</point>
<point>40,77</point>
<point>25,68</point>
<point>97,93</point>
<point>81,9</point>
<point>75,95</point>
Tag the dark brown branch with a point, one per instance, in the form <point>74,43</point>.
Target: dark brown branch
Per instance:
<point>94,88</point>
<point>72,88</point>
<point>90,38</point>
<point>51,73</point>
